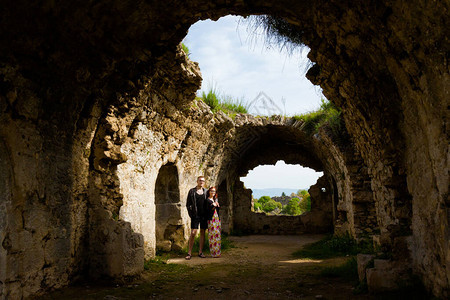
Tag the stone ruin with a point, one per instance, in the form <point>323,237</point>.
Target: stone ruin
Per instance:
<point>101,138</point>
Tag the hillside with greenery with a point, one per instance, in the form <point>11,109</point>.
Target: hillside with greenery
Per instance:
<point>297,205</point>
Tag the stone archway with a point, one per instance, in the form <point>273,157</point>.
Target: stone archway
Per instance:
<point>257,143</point>
<point>169,228</point>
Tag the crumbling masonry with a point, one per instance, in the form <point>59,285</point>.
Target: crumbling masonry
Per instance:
<point>100,135</point>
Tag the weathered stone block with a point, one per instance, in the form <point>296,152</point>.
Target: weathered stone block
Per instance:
<point>382,264</point>
<point>363,260</point>
<point>381,280</point>
<point>164,245</point>
<point>13,290</point>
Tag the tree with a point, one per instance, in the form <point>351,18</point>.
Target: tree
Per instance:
<point>271,205</point>
<point>293,207</point>
<point>302,192</point>
<point>264,199</point>
<point>257,206</point>
<point>283,194</point>
<point>305,203</point>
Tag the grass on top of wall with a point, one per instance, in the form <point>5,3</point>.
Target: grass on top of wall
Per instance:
<point>227,104</point>
<point>327,115</point>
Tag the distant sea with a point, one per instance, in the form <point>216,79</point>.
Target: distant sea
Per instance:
<point>272,192</point>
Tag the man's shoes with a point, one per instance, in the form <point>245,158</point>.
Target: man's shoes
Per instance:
<point>188,257</point>
<point>201,255</point>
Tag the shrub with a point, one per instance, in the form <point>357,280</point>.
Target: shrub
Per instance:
<point>264,199</point>
<point>257,206</point>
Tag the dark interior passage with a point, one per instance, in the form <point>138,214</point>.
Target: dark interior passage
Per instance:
<point>169,230</point>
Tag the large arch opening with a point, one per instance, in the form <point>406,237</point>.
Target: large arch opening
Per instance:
<point>238,65</point>
<point>168,223</point>
<point>284,184</point>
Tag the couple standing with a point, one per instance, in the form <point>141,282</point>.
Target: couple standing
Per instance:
<point>202,206</point>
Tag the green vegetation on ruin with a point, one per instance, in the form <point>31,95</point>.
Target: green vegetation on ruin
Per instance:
<point>185,49</point>
<point>334,246</point>
<point>225,103</point>
<point>298,204</point>
<point>278,32</point>
<point>328,116</point>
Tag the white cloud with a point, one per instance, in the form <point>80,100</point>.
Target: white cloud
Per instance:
<point>281,175</point>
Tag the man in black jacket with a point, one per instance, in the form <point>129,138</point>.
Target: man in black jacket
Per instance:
<point>195,204</point>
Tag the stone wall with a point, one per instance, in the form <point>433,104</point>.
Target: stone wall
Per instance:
<point>249,222</point>
<point>354,202</point>
<point>6,184</point>
<point>74,77</point>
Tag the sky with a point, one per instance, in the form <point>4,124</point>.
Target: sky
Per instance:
<point>236,61</point>
<point>284,175</point>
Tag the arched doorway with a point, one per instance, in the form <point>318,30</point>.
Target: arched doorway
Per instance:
<point>169,228</point>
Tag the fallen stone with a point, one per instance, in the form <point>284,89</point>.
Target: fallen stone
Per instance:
<point>381,280</point>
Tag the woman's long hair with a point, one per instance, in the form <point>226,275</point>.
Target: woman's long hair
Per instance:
<point>208,193</point>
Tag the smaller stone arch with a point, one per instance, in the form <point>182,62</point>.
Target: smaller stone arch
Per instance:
<point>169,228</point>
<point>225,212</point>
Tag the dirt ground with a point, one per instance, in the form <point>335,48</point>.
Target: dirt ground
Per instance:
<point>260,267</point>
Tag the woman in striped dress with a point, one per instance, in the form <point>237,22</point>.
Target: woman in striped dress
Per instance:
<point>214,225</point>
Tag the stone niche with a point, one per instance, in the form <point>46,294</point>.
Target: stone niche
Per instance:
<point>169,226</point>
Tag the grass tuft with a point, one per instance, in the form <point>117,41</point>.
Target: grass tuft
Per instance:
<point>225,103</point>
<point>185,49</point>
<point>278,32</point>
<point>328,116</point>
<point>211,99</point>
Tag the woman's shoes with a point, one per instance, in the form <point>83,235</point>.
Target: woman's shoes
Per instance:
<point>201,255</point>
<point>188,257</point>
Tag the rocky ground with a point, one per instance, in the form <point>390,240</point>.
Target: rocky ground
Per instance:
<point>259,267</point>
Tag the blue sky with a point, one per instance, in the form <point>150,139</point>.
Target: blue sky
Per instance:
<point>236,61</point>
